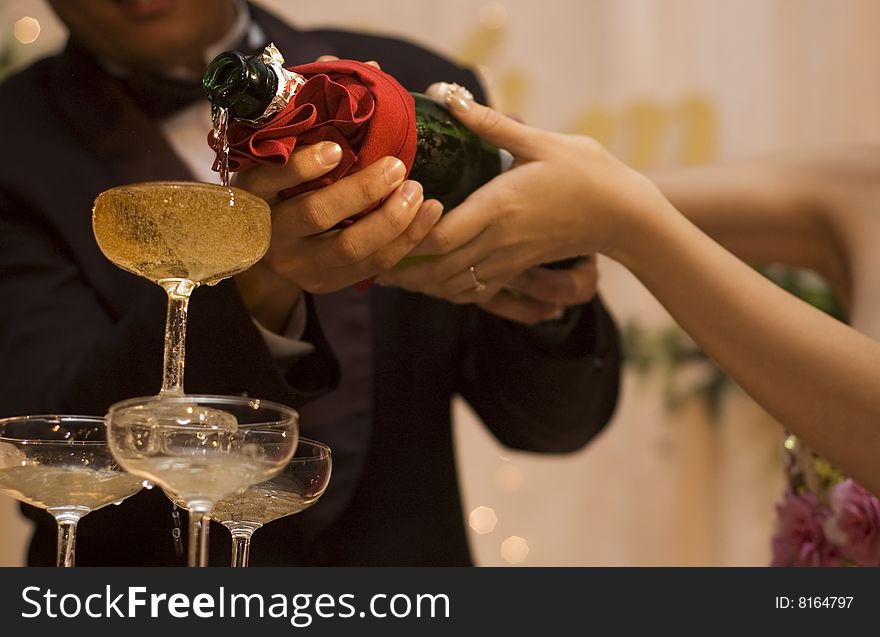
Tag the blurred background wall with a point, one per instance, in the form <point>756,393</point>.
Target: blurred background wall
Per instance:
<point>689,470</point>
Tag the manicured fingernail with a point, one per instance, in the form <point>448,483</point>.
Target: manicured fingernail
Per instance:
<point>506,158</point>
<point>329,154</point>
<point>456,96</point>
<point>458,103</point>
<point>411,191</point>
<point>441,89</point>
<point>394,170</point>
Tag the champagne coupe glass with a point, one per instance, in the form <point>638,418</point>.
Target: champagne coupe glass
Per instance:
<point>62,463</point>
<point>299,485</point>
<point>180,235</point>
<point>202,448</point>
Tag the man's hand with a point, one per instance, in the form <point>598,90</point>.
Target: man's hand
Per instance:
<point>305,253</point>
<point>542,294</point>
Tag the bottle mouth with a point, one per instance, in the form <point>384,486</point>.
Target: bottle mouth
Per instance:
<point>242,85</point>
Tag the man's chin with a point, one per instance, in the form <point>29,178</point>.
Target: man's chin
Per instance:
<point>146,9</point>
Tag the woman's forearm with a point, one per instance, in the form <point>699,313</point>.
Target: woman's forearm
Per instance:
<point>765,211</point>
<point>815,375</point>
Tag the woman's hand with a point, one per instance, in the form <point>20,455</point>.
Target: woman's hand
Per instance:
<point>564,197</point>
<point>542,294</point>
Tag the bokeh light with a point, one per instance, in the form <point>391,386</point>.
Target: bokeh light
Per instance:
<point>26,30</point>
<point>515,549</point>
<point>482,520</point>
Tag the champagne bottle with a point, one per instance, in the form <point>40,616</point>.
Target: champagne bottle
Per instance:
<point>450,161</point>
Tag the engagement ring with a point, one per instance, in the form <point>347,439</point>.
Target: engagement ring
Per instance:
<point>479,286</point>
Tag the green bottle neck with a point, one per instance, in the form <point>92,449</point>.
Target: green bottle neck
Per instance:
<point>244,86</point>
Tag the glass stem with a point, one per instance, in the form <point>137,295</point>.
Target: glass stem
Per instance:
<point>67,520</point>
<point>241,550</point>
<point>179,291</point>
<point>199,525</point>
<point>242,532</point>
<point>203,540</point>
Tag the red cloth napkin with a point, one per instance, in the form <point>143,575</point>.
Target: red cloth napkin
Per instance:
<point>364,110</point>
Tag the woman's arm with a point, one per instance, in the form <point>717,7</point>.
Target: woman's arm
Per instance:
<point>815,375</point>
<point>786,208</point>
<point>567,195</point>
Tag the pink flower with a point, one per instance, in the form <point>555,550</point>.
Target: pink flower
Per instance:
<point>800,539</point>
<point>856,520</point>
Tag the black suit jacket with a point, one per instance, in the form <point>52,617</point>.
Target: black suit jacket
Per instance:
<point>78,334</point>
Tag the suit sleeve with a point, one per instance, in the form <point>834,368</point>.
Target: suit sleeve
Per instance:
<point>548,388</point>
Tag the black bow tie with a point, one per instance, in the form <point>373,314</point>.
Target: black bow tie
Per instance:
<point>159,96</point>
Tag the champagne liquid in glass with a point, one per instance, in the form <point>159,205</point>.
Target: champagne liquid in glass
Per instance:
<point>202,482</point>
<point>194,232</point>
<point>297,487</point>
<point>51,487</point>
<point>180,235</point>
<point>201,448</point>
<point>63,464</point>
<point>260,505</point>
